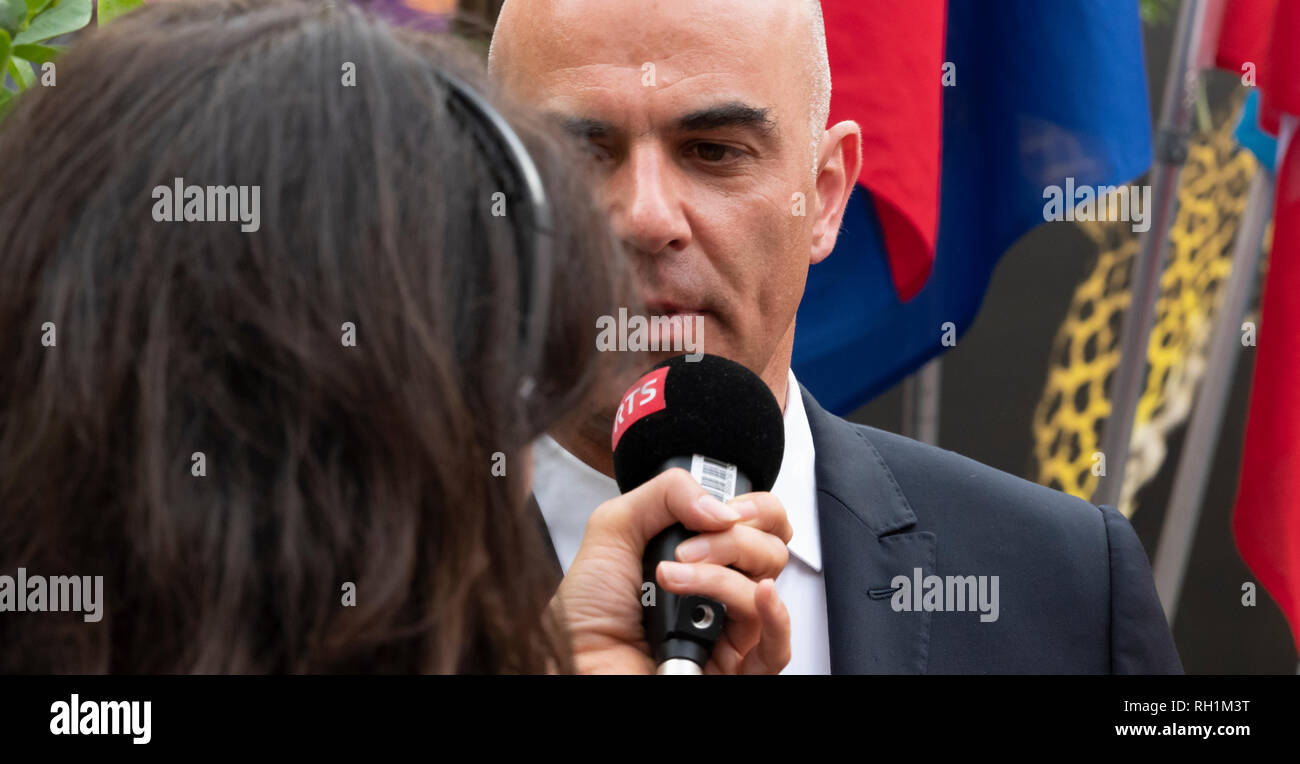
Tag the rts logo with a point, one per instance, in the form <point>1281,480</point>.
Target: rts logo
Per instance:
<point>644,397</point>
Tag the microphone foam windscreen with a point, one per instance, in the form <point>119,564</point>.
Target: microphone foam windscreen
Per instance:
<point>713,407</point>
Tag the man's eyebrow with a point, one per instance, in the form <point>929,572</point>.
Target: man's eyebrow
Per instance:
<point>584,127</point>
<point>734,114</point>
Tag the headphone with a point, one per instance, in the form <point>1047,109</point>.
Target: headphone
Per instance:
<point>499,139</point>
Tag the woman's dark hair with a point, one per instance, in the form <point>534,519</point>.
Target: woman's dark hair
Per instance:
<point>231,426</point>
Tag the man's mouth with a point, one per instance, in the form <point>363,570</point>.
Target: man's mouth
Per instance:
<point>684,329</point>
<point>670,309</point>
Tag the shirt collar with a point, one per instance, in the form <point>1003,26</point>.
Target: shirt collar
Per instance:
<point>566,486</point>
<point>796,484</point>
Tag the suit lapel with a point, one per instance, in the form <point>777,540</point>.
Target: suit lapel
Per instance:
<point>864,522</point>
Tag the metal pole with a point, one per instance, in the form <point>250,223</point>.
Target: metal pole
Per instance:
<point>1183,515</point>
<point>1170,153</point>
<point>921,403</point>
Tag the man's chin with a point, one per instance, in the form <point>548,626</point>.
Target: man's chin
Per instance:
<point>644,360</point>
<point>693,336</point>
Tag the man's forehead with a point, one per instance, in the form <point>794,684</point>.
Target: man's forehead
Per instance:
<point>615,96</point>
<point>549,42</point>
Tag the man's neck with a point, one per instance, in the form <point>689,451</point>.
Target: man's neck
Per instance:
<point>589,441</point>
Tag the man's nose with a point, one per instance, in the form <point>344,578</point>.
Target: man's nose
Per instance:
<point>647,212</point>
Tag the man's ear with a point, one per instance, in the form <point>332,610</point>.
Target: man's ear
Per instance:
<point>839,159</point>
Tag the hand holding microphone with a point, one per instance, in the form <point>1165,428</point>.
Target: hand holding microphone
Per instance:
<point>687,435</point>
<point>601,595</point>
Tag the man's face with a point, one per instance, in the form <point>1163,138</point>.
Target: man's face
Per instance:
<point>697,115</point>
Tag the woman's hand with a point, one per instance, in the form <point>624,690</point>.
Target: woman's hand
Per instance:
<point>600,597</point>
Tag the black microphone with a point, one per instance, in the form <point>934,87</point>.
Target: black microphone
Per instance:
<point>720,422</point>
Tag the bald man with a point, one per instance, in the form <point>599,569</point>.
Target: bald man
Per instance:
<point>706,122</point>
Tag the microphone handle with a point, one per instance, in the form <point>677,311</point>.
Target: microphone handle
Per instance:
<point>682,629</point>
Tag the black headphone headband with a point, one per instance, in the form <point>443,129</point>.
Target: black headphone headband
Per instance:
<point>535,249</point>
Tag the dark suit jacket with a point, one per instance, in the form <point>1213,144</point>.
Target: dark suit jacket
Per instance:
<point>1075,592</point>
<point>1075,589</point>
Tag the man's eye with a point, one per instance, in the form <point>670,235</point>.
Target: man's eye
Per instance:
<point>713,153</point>
<point>597,152</point>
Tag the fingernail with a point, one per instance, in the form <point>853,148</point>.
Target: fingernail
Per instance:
<point>716,508</point>
<point>746,508</point>
<point>677,573</point>
<point>693,550</point>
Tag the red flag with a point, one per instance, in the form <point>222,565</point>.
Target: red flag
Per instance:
<point>886,63</point>
<point>1266,519</point>
<point>1280,78</point>
<point>1243,32</point>
<point>1211,30</point>
<point>1245,35</point>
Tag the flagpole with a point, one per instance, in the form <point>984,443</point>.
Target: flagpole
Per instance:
<point>921,402</point>
<point>1183,515</point>
<point>1170,153</point>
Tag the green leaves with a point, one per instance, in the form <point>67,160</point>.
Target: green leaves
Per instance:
<point>25,25</point>
<point>67,16</point>
<point>37,53</point>
<point>1156,12</point>
<point>6,97</point>
<point>111,9</point>
<point>22,73</point>
<point>12,14</point>
<point>36,6</point>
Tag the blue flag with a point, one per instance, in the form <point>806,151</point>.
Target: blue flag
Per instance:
<point>1044,91</point>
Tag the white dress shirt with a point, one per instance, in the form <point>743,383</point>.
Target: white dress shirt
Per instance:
<point>568,491</point>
